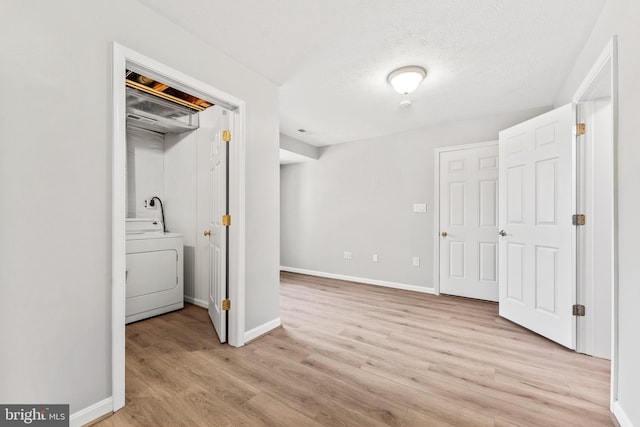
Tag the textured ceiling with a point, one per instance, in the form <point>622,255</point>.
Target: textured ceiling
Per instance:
<point>331,57</point>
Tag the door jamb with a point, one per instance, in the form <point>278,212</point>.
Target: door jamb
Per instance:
<point>436,203</point>
<point>122,58</point>
<point>609,58</point>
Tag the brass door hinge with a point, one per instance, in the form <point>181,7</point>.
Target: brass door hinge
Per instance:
<point>226,304</point>
<point>578,310</point>
<point>226,220</point>
<point>579,219</point>
<point>226,135</point>
<point>580,129</point>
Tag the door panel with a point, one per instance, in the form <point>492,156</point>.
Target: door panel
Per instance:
<point>468,214</point>
<point>547,279</point>
<point>456,260</point>
<point>489,262</point>
<point>546,191</point>
<point>456,204</point>
<point>536,200</point>
<point>488,203</point>
<point>515,194</point>
<point>515,280</point>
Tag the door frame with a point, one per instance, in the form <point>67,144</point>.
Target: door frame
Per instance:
<point>607,62</point>
<point>436,202</point>
<point>123,57</point>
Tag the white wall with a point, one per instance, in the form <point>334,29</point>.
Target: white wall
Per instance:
<point>145,172</point>
<point>55,186</point>
<point>359,196</point>
<point>621,17</point>
<point>180,196</point>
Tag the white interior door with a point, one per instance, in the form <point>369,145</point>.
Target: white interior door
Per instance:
<point>212,180</point>
<point>468,222</point>
<point>537,246</point>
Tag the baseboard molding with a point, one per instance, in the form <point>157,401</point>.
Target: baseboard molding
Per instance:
<point>195,301</point>
<point>383,283</point>
<point>91,413</point>
<point>621,416</point>
<point>261,330</point>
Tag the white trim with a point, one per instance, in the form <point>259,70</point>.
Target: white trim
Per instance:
<point>118,242</point>
<point>124,58</point>
<point>606,55</point>
<point>436,203</point>
<point>196,301</point>
<point>394,285</point>
<point>615,324</point>
<point>262,329</point>
<point>609,56</point>
<point>621,415</point>
<point>91,413</point>
<point>466,146</point>
<point>237,230</point>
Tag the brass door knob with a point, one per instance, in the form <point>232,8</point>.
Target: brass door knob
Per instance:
<point>207,232</point>
<point>444,234</point>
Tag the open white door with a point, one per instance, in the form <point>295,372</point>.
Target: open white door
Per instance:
<point>537,245</point>
<point>212,166</point>
<point>468,203</point>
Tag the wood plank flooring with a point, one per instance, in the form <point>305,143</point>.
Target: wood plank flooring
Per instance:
<point>358,355</point>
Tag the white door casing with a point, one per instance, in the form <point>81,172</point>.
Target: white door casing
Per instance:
<point>537,193</point>
<point>595,240</point>
<point>468,220</point>
<point>124,58</point>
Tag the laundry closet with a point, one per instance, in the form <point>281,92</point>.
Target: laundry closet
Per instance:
<point>168,198</point>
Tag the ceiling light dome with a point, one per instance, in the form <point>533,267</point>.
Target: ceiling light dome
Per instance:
<point>406,79</point>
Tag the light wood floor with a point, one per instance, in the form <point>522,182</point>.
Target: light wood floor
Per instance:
<point>359,355</point>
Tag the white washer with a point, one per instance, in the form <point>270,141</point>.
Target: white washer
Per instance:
<point>154,277</point>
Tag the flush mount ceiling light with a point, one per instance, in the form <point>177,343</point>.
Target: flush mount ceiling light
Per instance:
<point>406,79</point>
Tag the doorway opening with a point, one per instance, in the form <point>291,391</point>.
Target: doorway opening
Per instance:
<point>232,110</point>
<point>590,248</point>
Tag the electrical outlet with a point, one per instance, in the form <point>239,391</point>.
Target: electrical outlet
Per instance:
<point>375,257</point>
<point>347,255</point>
<point>416,261</point>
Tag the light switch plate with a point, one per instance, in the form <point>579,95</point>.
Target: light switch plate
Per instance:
<point>416,261</point>
<point>420,207</point>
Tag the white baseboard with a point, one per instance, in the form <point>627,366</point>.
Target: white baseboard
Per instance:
<point>384,283</point>
<point>195,301</point>
<point>261,330</point>
<point>91,413</point>
<point>621,415</point>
